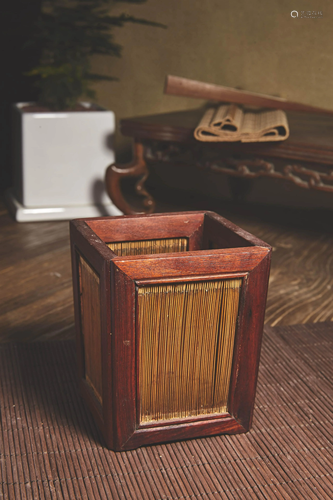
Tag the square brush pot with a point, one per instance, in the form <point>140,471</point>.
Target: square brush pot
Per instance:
<point>169,312</point>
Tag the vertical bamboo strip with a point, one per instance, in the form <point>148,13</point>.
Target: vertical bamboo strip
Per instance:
<point>90,313</point>
<point>226,342</point>
<point>187,333</point>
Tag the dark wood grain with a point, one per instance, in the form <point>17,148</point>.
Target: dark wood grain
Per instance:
<point>124,355</point>
<point>36,298</point>
<point>248,342</point>
<point>191,263</point>
<point>180,431</point>
<point>87,245</point>
<point>154,226</point>
<point>197,237</point>
<point>230,237</point>
<point>137,168</point>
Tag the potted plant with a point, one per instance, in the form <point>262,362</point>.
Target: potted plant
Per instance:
<point>62,145</point>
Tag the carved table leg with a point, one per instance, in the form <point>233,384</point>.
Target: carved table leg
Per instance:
<point>136,168</point>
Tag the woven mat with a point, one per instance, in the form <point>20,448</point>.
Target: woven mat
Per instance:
<point>50,447</point>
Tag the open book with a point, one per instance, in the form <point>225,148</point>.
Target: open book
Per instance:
<point>230,123</point>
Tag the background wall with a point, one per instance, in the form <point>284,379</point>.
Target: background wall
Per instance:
<point>254,45</point>
<point>17,19</point>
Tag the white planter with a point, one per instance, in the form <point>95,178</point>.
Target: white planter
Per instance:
<point>60,160</point>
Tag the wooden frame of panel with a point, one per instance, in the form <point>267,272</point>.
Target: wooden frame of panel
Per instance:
<point>239,255</point>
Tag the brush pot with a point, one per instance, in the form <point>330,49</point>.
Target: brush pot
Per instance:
<point>169,312</point>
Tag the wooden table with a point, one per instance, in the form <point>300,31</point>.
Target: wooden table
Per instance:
<point>305,158</point>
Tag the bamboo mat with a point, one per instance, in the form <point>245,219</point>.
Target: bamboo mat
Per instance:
<point>51,449</point>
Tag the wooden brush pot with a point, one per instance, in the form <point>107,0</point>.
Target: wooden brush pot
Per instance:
<point>169,312</point>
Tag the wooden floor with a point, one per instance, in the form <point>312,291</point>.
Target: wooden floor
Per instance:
<point>50,447</point>
<point>35,274</point>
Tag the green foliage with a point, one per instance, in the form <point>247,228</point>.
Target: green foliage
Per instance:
<point>70,32</point>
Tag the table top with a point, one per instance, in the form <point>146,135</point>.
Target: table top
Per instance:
<point>311,135</point>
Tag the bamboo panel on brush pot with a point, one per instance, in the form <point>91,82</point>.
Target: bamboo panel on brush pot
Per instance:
<point>90,312</point>
<point>166,245</point>
<point>187,335</point>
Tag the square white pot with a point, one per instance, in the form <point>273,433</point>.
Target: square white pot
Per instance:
<point>60,160</point>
